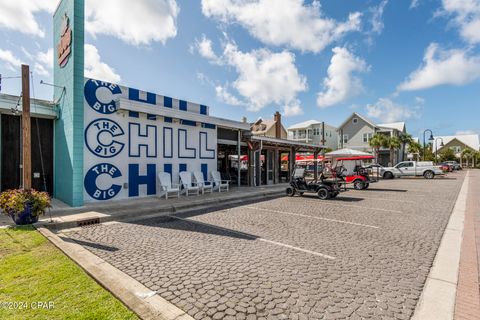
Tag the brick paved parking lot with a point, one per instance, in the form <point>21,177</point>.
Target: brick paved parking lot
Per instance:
<point>365,255</point>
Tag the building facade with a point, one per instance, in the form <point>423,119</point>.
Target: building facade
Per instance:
<point>356,131</point>
<point>313,131</point>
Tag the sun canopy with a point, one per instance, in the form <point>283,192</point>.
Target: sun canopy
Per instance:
<point>355,158</point>
<point>345,153</point>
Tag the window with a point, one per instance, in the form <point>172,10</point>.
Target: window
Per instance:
<point>345,138</point>
<point>367,137</point>
<point>354,120</point>
<point>456,149</point>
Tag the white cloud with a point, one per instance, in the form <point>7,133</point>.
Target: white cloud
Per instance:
<point>455,67</point>
<point>40,69</point>
<point>204,48</point>
<point>419,100</point>
<point>11,61</point>
<point>19,15</point>
<point>225,96</point>
<point>464,132</point>
<point>341,83</point>
<point>388,111</point>
<point>46,58</point>
<point>97,69</point>
<point>414,4</point>
<point>265,77</point>
<point>135,22</point>
<point>466,16</point>
<point>377,17</point>
<point>287,22</point>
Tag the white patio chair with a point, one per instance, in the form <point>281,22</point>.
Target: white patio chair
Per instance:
<point>218,182</point>
<point>201,183</point>
<point>188,185</point>
<point>166,185</point>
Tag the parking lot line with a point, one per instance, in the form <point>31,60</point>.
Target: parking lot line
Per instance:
<point>331,203</point>
<point>313,217</point>
<point>384,199</point>
<point>326,256</point>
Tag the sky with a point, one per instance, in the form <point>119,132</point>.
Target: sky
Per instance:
<point>416,61</point>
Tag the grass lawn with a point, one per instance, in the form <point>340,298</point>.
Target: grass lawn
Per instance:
<point>33,270</point>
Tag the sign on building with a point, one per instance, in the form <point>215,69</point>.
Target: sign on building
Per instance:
<point>124,151</point>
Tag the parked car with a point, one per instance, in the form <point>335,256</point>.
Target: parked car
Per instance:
<point>455,164</point>
<point>446,167</point>
<point>412,168</point>
<point>376,167</point>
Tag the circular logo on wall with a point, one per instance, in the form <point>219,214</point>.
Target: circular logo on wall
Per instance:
<point>98,177</point>
<point>100,137</point>
<point>101,100</point>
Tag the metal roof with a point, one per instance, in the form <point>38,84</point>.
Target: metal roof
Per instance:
<point>38,108</point>
<point>285,142</point>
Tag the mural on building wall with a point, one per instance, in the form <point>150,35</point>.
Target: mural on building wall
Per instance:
<point>124,151</point>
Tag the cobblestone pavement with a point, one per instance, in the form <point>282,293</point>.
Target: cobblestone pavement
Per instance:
<point>363,256</point>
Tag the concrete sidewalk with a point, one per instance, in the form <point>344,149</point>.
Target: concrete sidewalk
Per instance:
<point>62,216</point>
<point>467,304</point>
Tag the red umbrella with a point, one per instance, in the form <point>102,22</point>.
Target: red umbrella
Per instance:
<point>298,157</point>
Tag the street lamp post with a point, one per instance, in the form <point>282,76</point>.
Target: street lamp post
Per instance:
<point>430,139</point>
<point>436,148</point>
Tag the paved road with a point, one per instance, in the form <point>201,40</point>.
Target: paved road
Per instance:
<point>363,256</point>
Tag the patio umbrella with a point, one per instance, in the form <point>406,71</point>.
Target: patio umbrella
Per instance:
<point>347,153</point>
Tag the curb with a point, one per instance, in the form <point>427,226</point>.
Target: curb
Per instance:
<point>135,213</point>
<point>437,301</point>
<point>138,298</point>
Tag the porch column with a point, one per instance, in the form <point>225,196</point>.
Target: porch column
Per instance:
<point>251,183</point>
<point>276,166</point>
<point>238,159</point>
<point>315,167</point>
<point>291,162</point>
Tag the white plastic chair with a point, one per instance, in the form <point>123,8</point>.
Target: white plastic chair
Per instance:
<point>188,185</point>
<point>166,185</point>
<point>218,182</point>
<point>201,183</point>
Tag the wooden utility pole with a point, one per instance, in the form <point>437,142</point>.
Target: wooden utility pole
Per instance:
<point>26,130</point>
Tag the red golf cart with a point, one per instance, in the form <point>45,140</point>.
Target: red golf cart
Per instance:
<point>356,173</point>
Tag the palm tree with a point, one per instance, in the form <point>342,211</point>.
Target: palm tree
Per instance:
<point>405,139</point>
<point>376,142</point>
<point>466,153</point>
<point>392,143</point>
<point>414,147</point>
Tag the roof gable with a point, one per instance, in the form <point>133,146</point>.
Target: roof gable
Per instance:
<point>368,121</point>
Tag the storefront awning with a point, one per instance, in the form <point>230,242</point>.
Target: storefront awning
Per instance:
<point>38,108</point>
<point>300,146</point>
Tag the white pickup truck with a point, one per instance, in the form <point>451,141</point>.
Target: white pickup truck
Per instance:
<point>412,168</point>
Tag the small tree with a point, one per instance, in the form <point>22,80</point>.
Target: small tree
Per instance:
<point>414,147</point>
<point>467,154</point>
<point>447,154</point>
<point>376,142</point>
<point>429,156</point>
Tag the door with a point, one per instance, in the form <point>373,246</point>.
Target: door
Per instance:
<point>406,169</point>
<point>270,166</point>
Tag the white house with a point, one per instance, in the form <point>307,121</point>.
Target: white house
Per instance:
<point>313,131</point>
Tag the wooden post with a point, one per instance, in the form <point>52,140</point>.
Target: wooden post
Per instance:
<point>26,130</point>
